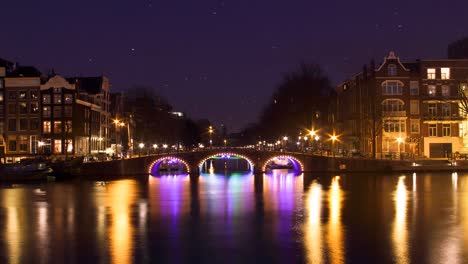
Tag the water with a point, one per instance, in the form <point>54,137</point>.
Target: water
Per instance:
<point>240,218</point>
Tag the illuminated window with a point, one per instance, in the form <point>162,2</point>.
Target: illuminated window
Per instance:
<point>46,111</point>
<point>34,94</point>
<point>1,97</point>
<point>57,98</point>
<point>34,108</point>
<point>432,109</point>
<point>46,128</point>
<point>446,109</point>
<point>392,126</point>
<point>392,70</point>
<point>432,130</point>
<point>414,87</point>
<point>431,73</point>
<point>22,95</point>
<point>57,146</point>
<point>446,131</point>
<point>68,127</point>
<point>415,126</point>
<point>57,127</point>
<point>392,88</point>
<point>69,145</point>
<point>414,107</point>
<point>46,99</point>
<point>445,73</point>
<point>431,90</point>
<point>23,108</point>
<point>68,98</point>
<point>445,90</point>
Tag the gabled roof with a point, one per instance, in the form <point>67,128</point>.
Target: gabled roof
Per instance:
<point>91,85</point>
<point>25,71</point>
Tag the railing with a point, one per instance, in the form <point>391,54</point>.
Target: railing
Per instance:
<point>394,113</point>
<point>441,118</point>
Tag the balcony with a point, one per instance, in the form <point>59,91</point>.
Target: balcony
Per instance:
<point>442,118</point>
<point>393,113</point>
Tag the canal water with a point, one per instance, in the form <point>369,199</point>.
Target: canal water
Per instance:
<point>239,218</point>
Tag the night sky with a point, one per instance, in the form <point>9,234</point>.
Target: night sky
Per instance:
<point>221,59</point>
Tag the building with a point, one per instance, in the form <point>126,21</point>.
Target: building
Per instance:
<point>399,108</point>
<point>5,68</point>
<point>458,49</point>
<point>21,113</point>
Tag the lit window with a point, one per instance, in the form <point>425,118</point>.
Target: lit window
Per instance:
<point>34,108</point>
<point>415,126</point>
<point>69,145</point>
<point>46,127</point>
<point>392,70</point>
<point>68,127</point>
<point>445,90</point>
<point>34,94</point>
<point>57,127</point>
<point>46,99</point>
<point>68,98</point>
<point>22,95</point>
<point>23,108</point>
<point>445,73</point>
<point>432,130</point>
<point>414,107</point>
<point>57,146</point>
<point>446,131</point>
<point>431,73</point>
<point>57,98</point>
<point>414,87</point>
<point>392,88</point>
<point>431,90</point>
<point>46,111</point>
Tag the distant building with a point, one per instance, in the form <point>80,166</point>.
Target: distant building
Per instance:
<point>408,108</point>
<point>458,49</point>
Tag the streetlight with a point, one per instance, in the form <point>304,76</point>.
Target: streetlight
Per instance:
<point>210,131</point>
<point>333,139</point>
<point>225,143</point>
<point>155,147</point>
<point>399,140</point>
<point>100,143</point>
<point>141,146</point>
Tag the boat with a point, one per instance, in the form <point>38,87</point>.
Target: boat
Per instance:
<point>67,169</point>
<point>25,170</point>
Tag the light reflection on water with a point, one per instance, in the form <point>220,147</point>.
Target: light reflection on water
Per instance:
<point>275,217</point>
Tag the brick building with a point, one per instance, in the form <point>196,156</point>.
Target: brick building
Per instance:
<point>404,108</point>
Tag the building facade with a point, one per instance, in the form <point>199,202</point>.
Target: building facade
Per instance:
<point>404,108</point>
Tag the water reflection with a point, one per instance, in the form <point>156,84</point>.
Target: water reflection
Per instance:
<point>335,236</point>
<point>400,231</point>
<point>313,225</point>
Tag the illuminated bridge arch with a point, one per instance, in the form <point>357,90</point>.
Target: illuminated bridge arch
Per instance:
<point>297,164</point>
<point>154,167</point>
<point>227,155</point>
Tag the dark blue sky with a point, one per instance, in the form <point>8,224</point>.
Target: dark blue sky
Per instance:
<point>221,59</point>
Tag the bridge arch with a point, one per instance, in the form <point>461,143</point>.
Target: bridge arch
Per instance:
<point>227,155</point>
<point>154,167</point>
<point>297,164</point>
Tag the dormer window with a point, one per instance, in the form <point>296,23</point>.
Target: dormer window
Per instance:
<point>392,70</point>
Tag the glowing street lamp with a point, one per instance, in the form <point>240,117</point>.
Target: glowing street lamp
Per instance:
<point>399,140</point>
<point>333,139</point>
<point>225,143</point>
<point>210,131</point>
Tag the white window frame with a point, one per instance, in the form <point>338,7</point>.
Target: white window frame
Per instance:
<point>445,73</point>
<point>432,128</point>
<point>446,130</point>
<point>431,73</point>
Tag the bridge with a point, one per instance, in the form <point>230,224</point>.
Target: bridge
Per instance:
<point>257,160</point>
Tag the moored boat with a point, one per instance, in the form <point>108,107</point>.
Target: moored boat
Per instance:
<point>67,169</point>
<point>26,170</point>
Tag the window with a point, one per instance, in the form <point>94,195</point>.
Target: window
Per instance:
<point>23,143</point>
<point>46,99</point>
<point>12,108</point>
<point>11,124</point>
<point>57,90</point>
<point>57,146</point>
<point>68,111</point>
<point>445,90</point>
<point>392,126</point>
<point>23,124</point>
<point>34,94</point>
<point>12,144</point>
<point>57,98</point>
<point>34,108</point>
<point>414,87</point>
<point>431,90</point>
<point>23,108</point>
<point>69,145</point>
<point>22,95</point>
<point>415,126</point>
<point>432,109</point>
<point>393,105</point>
<point>12,95</point>
<point>57,127</point>
<point>446,109</point>
<point>414,107</point>
<point>57,111</point>
<point>446,130</point>
<point>1,111</point>
<point>445,73</point>
<point>34,124</point>
<point>68,98</point>
<point>68,127</point>
<point>46,127</point>
<point>46,111</point>
<point>392,70</point>
<point>392,88</point>
<point>1,97</point>
<point>431,73</point>
<point>432,130</point>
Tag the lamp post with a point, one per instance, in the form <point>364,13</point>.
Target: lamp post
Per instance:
<point>399,140</point>
<point>210,131</point>
<point>333,139</point>
<point>155,147</point>
<point>225,143</point>
<point>141,146</point>
<point>40,144</point>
